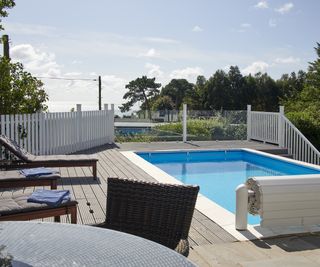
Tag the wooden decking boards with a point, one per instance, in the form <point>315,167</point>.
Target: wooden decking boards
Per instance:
<point>91,194</point>
<point>205,235</point>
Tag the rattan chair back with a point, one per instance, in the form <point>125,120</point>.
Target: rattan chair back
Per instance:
<point>159,212</point>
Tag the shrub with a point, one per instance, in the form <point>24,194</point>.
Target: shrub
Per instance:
<point>308,124</point>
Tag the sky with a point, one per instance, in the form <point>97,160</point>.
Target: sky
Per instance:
<point>125,39</point>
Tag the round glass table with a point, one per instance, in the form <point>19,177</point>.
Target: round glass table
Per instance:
<point>57,244</point>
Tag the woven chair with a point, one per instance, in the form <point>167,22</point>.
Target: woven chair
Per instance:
<point>159,212</point>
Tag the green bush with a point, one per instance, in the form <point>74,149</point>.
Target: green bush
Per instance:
<point>308,123</point>
<point>212,129</point>
<point>229,132</point>
<point>198,129</point>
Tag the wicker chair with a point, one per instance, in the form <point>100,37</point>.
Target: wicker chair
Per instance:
<point>159,212</point>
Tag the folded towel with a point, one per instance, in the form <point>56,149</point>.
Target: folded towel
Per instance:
<point>49,197</point>
<point>34,172</point>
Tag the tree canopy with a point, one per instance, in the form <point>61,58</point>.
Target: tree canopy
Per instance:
<point>140,90</point>
<point>163,103</point>
<point>303,109</point>
<point>20,92</point>
<point>178,90</point>
<point>4,5</point>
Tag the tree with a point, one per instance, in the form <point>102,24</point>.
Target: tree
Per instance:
<point>303,109</point>
<point>216,91</point>
<point>268,93</point>
<point>177,90</point>
<point>5,4</point>
<point>141,89</point>
<point>236,88</point>
<point>163,103</point>
<point>200,91</point>
<point>291,85</point>
<point>20,92</point>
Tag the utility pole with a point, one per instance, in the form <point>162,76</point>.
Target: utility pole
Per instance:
<point>99,92</point>
<point>5,41</point>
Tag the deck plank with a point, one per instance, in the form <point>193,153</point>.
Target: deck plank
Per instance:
<point>91,194</point>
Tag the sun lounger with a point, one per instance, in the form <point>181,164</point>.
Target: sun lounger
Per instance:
<point>17,208</point>
<point>27,160</point>
<point>13,178</point>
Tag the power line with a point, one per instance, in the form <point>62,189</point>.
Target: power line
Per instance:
<point>66,79</point>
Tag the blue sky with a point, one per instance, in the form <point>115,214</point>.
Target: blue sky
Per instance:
<point>122,40</point>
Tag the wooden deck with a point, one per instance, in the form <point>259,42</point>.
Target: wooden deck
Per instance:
<point>204,235</point>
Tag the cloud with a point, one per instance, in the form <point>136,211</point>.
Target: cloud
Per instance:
<point>64,94</point>
<point>160,40</point>
<point>188,73</point>
<point>255,67</point>
<point>197,29</point>
<point>272,23</point>
<point>151,53</point>
<point>36,61</point>
<point>73,74</point>
<point>31,29</point>
<point>154,70</point>
<point>262,5</point>
<point>287,60</point>
<point>285,8</point>
<point>245,25</point>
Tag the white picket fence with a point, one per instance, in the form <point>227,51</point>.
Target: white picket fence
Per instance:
<point>61,132</point>
<point>276,128</point>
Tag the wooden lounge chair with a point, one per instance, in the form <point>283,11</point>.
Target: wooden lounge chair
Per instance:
<point>16,208</point>
<point>159,212</point>
<point>13,178</point>
<point>27,160</point>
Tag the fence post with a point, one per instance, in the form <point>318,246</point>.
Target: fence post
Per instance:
<point>248,122</point>
<point>79,126</point>
<point>184,122</point>
<point>112,126</point>
<point>281,127</point>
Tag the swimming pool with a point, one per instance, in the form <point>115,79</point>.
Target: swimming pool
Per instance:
<point>219,172</point>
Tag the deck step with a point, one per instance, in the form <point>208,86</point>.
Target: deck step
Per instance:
<point>275,151</point>
<point>289,156</point>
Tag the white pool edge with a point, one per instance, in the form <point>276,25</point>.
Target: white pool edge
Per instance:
<point>212,210</point>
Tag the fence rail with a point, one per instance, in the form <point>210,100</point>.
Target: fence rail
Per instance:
<point>276,128</point>
<point>61,132</point>
<point>265,126</point>
<point>298,145</point>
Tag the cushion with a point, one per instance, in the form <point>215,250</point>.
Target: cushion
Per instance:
<point>65,158</point>
<point>18,204</point>
<point>16,175</point>
<point>13,147</point>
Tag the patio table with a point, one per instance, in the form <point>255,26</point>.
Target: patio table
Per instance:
<point>56,244</point>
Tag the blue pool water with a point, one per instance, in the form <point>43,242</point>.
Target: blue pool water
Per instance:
<point>132,130</point>
<point>218,173</point>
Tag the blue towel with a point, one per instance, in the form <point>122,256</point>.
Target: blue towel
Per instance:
<point>50,197</point>
<point>34,172</point>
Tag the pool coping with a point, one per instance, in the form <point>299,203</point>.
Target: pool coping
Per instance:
<point>212,210</point>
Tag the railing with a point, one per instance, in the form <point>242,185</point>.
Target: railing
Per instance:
<point>298,145</point>
<point>275,128</point>
<point>265,126</point>
<point>61,132</point>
